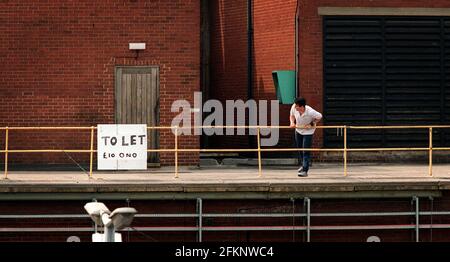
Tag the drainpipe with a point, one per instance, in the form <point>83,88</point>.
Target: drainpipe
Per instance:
<point>205,63</point>
<point>296,49</point>
<point>251,141</point>
<point>249,50</point>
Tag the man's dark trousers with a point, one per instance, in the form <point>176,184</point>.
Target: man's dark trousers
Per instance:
<point>303,141</point>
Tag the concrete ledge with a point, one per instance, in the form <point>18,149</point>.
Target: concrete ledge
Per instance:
<point>363,180</point>
<point>222,187</point>
<point>208,162</point>
<point>216,195</point>
<point>274,162</point>
<point>254,162</point>
<point>234,161</point>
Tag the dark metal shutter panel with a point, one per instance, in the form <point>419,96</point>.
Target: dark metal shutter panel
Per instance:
<point>389,71</point>
<point>413,78</point>
<point>353,77</point>
<point>446,73</point>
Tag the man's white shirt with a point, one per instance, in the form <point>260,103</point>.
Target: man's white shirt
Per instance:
<point>305,119</point>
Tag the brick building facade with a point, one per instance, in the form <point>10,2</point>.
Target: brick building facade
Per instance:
<point>59,61</point>
<point>408,62</point>
<point>58,64</point>
<point>273,49</point>
<point>399,86</point>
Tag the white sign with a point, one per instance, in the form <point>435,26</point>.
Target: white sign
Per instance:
<point>121,147</point>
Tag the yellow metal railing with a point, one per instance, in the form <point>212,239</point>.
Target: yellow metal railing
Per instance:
<point>176,150</point>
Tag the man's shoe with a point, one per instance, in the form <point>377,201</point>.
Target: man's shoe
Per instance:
<point>300,169</point>
<point>303,174</point>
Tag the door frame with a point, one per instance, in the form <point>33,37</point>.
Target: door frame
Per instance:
<point>157,104</point>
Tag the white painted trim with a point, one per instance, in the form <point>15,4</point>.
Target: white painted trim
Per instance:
<point>384,11</point>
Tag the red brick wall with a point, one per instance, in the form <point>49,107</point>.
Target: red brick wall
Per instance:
<point>311,40</point>
<point>228,22</point>
<point>274,49</point>
<point>58,62</point>
<point>274,43</point>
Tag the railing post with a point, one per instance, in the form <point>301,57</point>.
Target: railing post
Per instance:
<point>176,151</point>
<point>345,150</point>
<point>6,152</point>
<point>430,165</point>
<point>307,204</point>
<point>293,218</point>
<point>92,152</point>
<point>417,213</point>
<point>259,153</point>
<point>200,219</point>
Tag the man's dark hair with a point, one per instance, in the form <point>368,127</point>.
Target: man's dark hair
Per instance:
<point>300,101</point>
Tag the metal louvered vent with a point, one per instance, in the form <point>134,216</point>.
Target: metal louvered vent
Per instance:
<point>386,71</point>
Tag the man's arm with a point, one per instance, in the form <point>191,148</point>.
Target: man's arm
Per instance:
<point>292,117</point>
<point>316,117</point>
<point>292,120</point>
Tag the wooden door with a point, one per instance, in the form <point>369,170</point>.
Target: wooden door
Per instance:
<point>137,101</point>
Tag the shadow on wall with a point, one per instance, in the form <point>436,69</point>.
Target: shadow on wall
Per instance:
<point>228,65</point>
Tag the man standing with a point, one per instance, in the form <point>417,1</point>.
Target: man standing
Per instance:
<point>304,118</point>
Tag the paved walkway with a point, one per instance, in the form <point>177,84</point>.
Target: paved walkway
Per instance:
<point>319,174</point>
